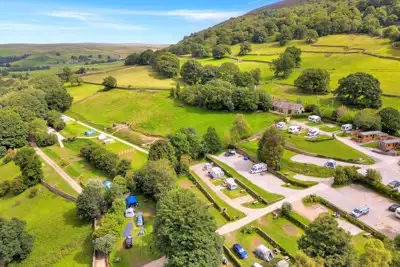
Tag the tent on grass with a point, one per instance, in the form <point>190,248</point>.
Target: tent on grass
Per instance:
<point>107,184</point>
<point>132,201</point>
<point>264,253</point>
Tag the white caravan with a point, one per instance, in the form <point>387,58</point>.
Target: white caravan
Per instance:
<point>295,129</point>
<point>347,127</point>
<point>281,125</point>
<point>313,132</point>
<point>397,212</point>
<point>314,118</point>
<point>216,173</point>
<point>259,167</point>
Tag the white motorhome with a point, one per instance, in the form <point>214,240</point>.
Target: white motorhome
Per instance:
<point>216,173</point>
<point>295,129</point>
<point>259,167</point>
<point>208,166</point>
<point>347,127</point>
<point>313,132</point>
<point>314,118</point>
<point>231,184</point>
<point>281,125</point>
<point>397,212</point>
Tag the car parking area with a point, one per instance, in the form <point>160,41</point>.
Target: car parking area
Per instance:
<point>357,196</point>
<point>264,180</point>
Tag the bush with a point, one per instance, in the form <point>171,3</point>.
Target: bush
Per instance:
<point>286,209</point>
<point>45,139</point>
<point>4,188</point>
<point>3,151</point>
<point>110,224</point>
<point>34,192</point>
<point>17,186</point>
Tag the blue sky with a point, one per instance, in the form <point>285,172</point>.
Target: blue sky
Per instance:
<point>113,21</point>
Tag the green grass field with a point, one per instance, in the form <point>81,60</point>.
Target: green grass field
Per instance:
<point>135,76</point>
<point>61,238</point>
<point>9,171</point>
<point>83,91</point>
<point>155,113</point>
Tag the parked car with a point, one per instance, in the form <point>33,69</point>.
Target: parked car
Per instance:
<point>128,242</point>
<point>259,167</point>
<point>239,250</point>
<point>230,152</point>
<point>394,207</point>
<point>281,125</point>
<point>394,184</point>
<point>139,219</point>
<point>360,211</point>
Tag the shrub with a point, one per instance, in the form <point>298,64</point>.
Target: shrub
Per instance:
<point>17,186</point>
<point>4,188</point>
<point>286,209</point>
<point>3,151</point>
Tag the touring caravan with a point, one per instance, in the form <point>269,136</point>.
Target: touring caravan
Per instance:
<point>231,184</point>
<point>313,132</point>
<point>259,167</point>
<point>397,212</point>
<point>281,125</point>
<point>295,129</point>
<point>314,118</point>
<point>347,127</point>
<point>216,173</point>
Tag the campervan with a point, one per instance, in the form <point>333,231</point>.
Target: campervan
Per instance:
<point>281,125</point>
<point>259,167</point>
<point>313,132</point>
<point>294,129</point>
<point>314,118</point>
<point>231,184</point>
<point>216,173</point>
<point>397,212</point>
<point>347,127</point>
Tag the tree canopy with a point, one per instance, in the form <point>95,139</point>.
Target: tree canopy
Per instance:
<point>167,64</point>
<point>271,147</point>
<point>313,81</point>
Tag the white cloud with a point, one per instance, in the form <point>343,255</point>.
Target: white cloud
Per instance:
<point>116,26</point>
<point>31,27</point>
<point>73,15</point>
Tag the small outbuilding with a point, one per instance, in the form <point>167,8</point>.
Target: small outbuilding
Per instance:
<point>231,184</point>
<point>364,137</point>
<point>132,201</point>
<point>389,144</point>
<point>264,253</point>
<point>90,132</point>
<point>216,173</point>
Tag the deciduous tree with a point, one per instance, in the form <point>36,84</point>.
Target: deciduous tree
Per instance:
<point>211,141</point>
<point>390,119</point>
<point>367,119</point>
<point>271,147</point>
<point>109,82</point>
<point>313,81</point>
<point>30,166</point>
<point>375,254</point>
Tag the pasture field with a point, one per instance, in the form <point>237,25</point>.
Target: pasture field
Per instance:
<point>135,76</point>
<point>155,113</point>
<point>61,238</point>
<point>83,90</point>
<point>9,171</point>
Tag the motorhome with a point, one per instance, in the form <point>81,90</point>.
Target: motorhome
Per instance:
<point>295,129</point>
<point>313,132</point>
<point>259,167</point>
<point>347,127</point>
<point>314,118</point>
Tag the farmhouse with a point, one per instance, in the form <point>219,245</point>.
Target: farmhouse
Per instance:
<point>389,145</point>
<point>363,137</point>
<point>287,107</point>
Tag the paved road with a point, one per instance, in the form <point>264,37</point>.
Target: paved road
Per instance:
<point>58,169</point>
<point>109,135</point>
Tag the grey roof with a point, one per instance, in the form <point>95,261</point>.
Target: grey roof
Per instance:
<point>287,105</point>
<point>372,133</point>
<point>391,141</point>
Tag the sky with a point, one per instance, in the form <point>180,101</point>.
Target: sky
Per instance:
<point>113,21</point>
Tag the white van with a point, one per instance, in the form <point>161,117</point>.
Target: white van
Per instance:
<point>313,132</point>
<point>294,129</point>
<point>347,127</point>
<point>314,118</point>
<point>259,167</point>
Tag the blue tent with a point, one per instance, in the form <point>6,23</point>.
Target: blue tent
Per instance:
<point>131,200</point>
<point>107,184</point>
<point>90,132</point>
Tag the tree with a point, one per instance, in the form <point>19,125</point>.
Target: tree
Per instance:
<point>67,74</point>
<point>123,167</point>
<point>240,127</point>
<point>132,59</point>
<point>244,79</point>
<point>89,203</point>
<point>167,64</point>
<point>256,73</point>
<point>13,130</point>
<point>103,159</point>
<point>264,100</point>
<point>311,36</point>
<point>286,209</point>
<point>162,149</point>
<point>271,147</point>
<point>211,141</point>
<point>54,120</point>
<point>191,72</point>
<point>295,53</point>
<point>105,244</point>
<point>15,242</point>
<point>32,100</point>
<point>390,119</point>
<point>324,238</point>
<point>227,71</point>
<point>367,119</point>
<point>109,82</point>
<point>30,165</point>
<point>188,235</point>
<point>396,242</point>
<point>373,176</point>
<point>375,254</point>
<point>187,141</point>
<point>361,90</point>
<point>283,66</point>
<point>156,178</point>
<point>245,48</point>
<point>76,80</point>
<point>221,51</point>
<point>115,192</point>
<point>122,183</point>
<point>302,260</point>
<point>313,81</point>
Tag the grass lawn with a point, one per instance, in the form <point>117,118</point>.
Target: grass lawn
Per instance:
<point>329,148</point>
<point>234,213</point>
<point>135,76</point>
<point>143,250</point>
<point>154,113</point>
<point>371,145</point>
<point>186,183</point>
<point>82,91</point>
<point>73,129</point>
<point>271,197</point>
<point>330,129</point>
<point>234,193</point>
<point>314,124</point>
<point>9,171</point>
<point>282,231</point>
<point>300,218</point>
<point>53,178</point>
<point>359,242</point>
<point>61,238</point>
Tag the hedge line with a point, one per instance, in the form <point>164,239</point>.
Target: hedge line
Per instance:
<point>383,190</point>
<point>293,181</point>
<point>295,221</point>
<point>273,242</point>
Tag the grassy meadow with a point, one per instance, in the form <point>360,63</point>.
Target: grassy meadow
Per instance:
<point>84,90</point>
